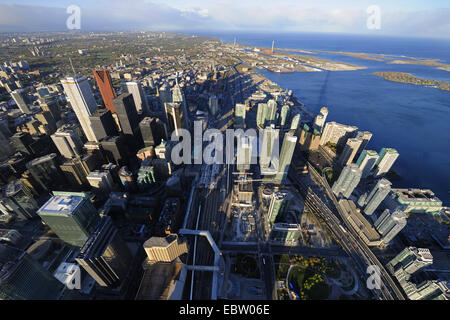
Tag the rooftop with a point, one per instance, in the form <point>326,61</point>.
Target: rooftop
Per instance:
<point>61,204</point>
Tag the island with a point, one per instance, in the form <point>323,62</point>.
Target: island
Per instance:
<point>409,78</point>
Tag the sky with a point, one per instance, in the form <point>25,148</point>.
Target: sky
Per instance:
<point>419,18</point>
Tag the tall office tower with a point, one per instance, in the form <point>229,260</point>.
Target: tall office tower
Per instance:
<point>106,88</point>
<point>244,154</point>
<point>77,169</point>
<point>21,99</point>
<point>165,249</point>
<point>349,152</point>
<point>295,122</point>
<point>68,143</point>
<point>175,117</point>
<point>390,224</point>
<point>71,216</point>
<point>319,120</point>
<point>79,93</point>
<point>18,199</point>
<point>337,133</point>
<point>239,116</point>
<point>46,172</point>
<point>6,148</point>
<point>178,97</point>
<point>269,148</point>
<point>385,161</point>
<point>379,192</point>
<point>140,99</point>
<point>50,104</point>
<point>115,150</point>
<point>278,206</point>
<point>286,153</point>
<point>271,109</point>
<point>347,181</point>
<point>366,161</point>
<point>105,256</point>
<point>153,131</point>
<point>261,115</point>
<point>429,290</point>
<point>164,94</point>
<point>284,116</point>
<point>103,124</point>
<point>101,181</point>
<point>213,105</point>
<point>365,136</point>
<point>24,278</point>
<point>411,259</point>
<point>146,176</point>
<point>21,142</point>
<point>129,119</point>
<point>47,123</point>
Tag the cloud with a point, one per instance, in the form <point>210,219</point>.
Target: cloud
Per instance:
<point>248,15</point>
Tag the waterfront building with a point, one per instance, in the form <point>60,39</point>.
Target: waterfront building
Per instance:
<point>295,122</point>
<point>347,181</point>
<point>319,120</point>
<point>379,192</point>
<point>367,161</point>
<point>413,201</point>
<point>239,116</point>
<point>351,147</point>
<point>279,204</point>
<point>389,224</point>
<point>284,116</point>
<point>386,159</point>
<point>365,136</point>
<point>337,133</point>
<point>286,153</point>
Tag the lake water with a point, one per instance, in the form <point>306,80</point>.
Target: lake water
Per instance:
<point>414,120</point>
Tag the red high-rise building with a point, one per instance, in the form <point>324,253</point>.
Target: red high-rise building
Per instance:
<point>104,83</point>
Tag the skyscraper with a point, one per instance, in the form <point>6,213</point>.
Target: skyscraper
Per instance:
<point>153,131</point>
<point>386,159</point>
<point>50,104</point>
<point>71,216</point>
<point>165,249</point>
<point>67,142</point>
<point>269,146</point>
<point>411,260</point>
<point>261,115</point>
<point>178,97</point>
<point>213,104</point>
<point>319,120</point>
<point>106,88</point>
<point>129,119</point>
<point>284,117</point>
<point>244,154</point>
<point>278,205</point>
<point>337,133</point>
<point>140,99</point>
<point>115,149</point>
<point>24,278</point>
<point>17,199</point>
<point>79,93</point>
<point>103,124</point>
<point>379,192</point>
<point>239,116</point>
<point>351,147</point>
<point>365,136</point>
<point>46,172</point>
<point>22,101</point>
<point>175,117</point>
<point>366,161</point>
<point>389,224</point>
<point>286,153</point>
<point>105,256</point>
<point>295,122</point>
<point>347,181</point>
<point>270,110</point>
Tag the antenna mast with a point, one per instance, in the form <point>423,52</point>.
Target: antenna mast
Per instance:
<point>71,64</point>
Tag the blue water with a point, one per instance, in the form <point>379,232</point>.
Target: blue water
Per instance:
<point>414,120</point>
